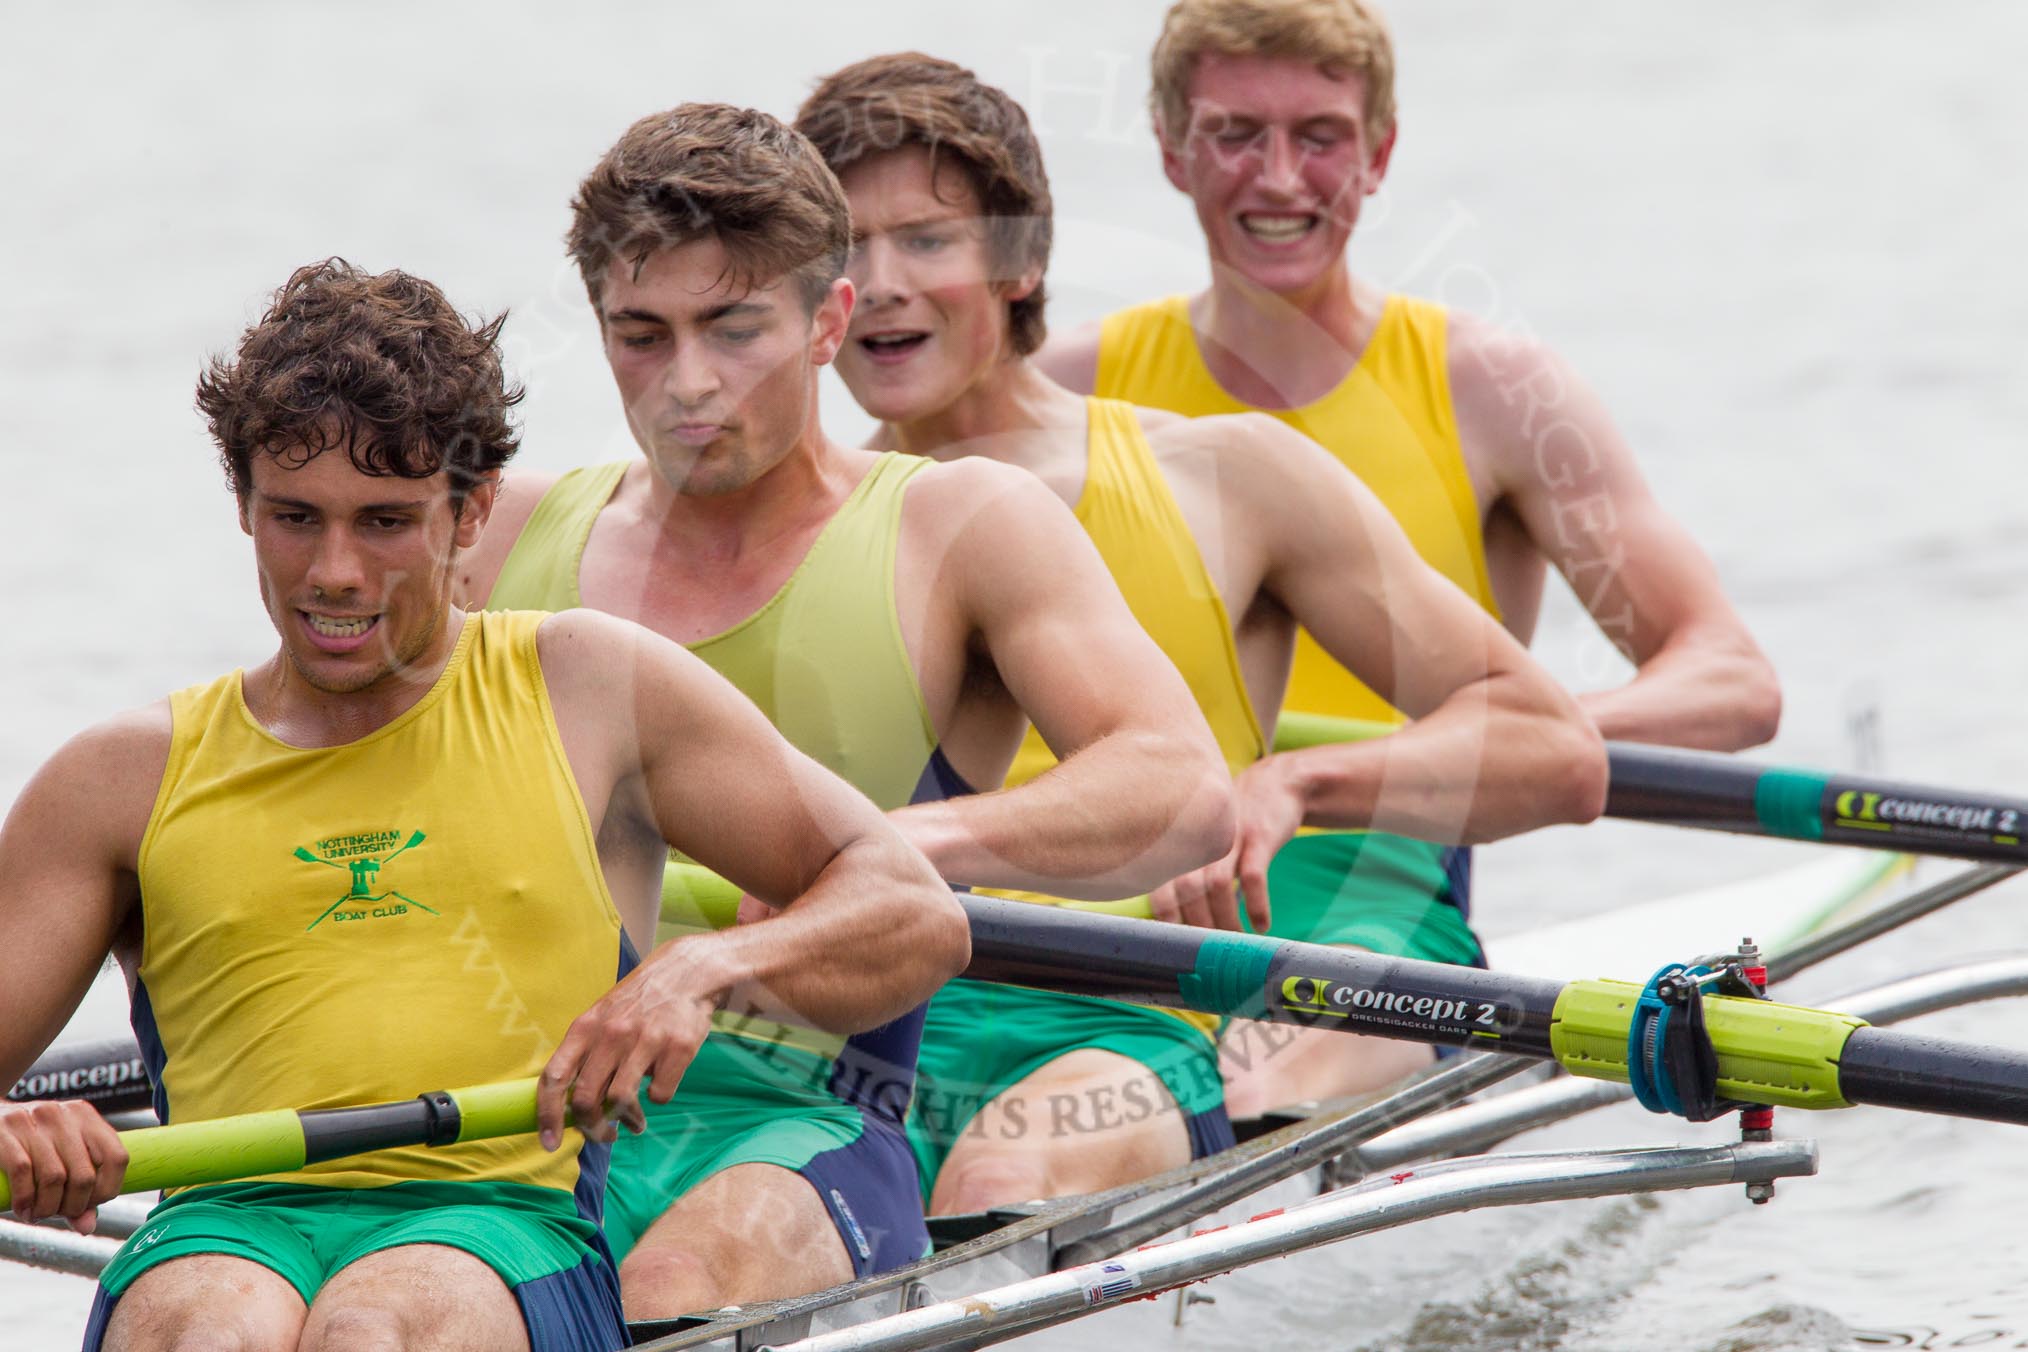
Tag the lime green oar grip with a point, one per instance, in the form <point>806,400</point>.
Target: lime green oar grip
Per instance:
<point>489,1110</point>
<point>206,1152</point>
<point>1298,731</point>
<point>185,1154</point>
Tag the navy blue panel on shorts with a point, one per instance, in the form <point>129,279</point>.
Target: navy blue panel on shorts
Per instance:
<point>869,1187</point>
<point>1210,1132</point>
<point>573,1310</point>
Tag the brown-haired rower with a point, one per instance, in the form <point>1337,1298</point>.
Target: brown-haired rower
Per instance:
<point>406,852</point>
<point>1225,534</point>
<point>889,615</point>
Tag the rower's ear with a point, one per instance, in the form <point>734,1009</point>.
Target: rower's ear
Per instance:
<point>1172,158</point>
<point>1022,284</point>
<point>475,509</point>
<point>1376,166</point>
<point>831,320</point>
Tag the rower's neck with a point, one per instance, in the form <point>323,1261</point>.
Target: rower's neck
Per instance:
<point>1280,350</point>
<point>300,714</point>
<point>993,418</point>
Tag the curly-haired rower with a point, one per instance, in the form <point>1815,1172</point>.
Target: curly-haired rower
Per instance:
<point>381,365</point>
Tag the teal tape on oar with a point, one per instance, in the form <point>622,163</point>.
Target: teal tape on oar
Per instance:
<point>1230,977</point>
<point>1790,803</point>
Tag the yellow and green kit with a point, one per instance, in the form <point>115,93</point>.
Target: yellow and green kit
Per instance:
<point>1390,422</point>
<point>823,658</point>
<point>981,1038</point>
<point>330,926</point>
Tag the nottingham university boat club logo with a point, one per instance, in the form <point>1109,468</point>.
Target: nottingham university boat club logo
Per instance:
<point>365,855</point>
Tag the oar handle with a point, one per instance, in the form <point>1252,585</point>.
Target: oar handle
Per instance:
<point>184,1154</point>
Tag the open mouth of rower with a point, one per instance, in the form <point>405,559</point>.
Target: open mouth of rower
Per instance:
<point>894,344</point>
<point>338,633</point>
<point>1278,227</point>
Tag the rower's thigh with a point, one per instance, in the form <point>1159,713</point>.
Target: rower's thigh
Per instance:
<point>1088,1119</point>
<point>749,1232</point>
<point>415,1298</point>
<point>208,1300</point>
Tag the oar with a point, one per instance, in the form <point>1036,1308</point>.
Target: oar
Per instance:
<point>1692,788</point>
<point>1768,1053</point>
<point>188,1153</point>
<point>109,1074</point>
<point>1715,792</point>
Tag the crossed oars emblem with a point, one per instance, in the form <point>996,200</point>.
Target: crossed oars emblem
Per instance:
<point>363,872</point>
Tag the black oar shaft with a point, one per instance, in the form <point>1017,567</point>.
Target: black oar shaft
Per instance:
<point>1892,1069</point>
<point>1245,976</point>
<point>1713,792</point>
<point>108,1074</point>
<point>1791,1055</point>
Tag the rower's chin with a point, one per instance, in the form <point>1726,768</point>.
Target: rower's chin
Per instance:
<point>894,392</point>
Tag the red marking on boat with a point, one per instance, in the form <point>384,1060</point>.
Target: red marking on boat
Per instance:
<point>1404,1176</point>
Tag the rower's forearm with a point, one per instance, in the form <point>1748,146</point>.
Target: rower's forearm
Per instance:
<point>1124,815</point>
<point>876,936</point>
<point>1705,701</point>
<point>1459,776</point>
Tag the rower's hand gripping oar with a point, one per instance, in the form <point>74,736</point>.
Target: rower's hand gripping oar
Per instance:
<point>187,1153</point>
<point>1714,792</point>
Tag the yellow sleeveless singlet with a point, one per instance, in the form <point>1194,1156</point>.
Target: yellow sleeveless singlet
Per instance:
<point>1389,421</point>
<point>419,909</point>
<point>1130,514</point>
<point>823,658</point>
<point>1132,517</point>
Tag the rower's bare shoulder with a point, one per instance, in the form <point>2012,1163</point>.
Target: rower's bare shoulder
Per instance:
<point>943,499</point>
<point>1524,413</point>
<point>1506,387</point>
<point>590,648</point>
<point>1070,358</point>
<point>104,781</point>
<point>514,502</point>
<point>1253,456</point>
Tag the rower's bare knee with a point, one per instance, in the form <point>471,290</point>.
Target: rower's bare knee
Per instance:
<point>1269,1066</point>
<point>662,1278</point>
<point>1087,1120</point>
<point>751,1232</point>
<point>979,1180</point>
<point>205,1303</point>
<point>415,1298</point>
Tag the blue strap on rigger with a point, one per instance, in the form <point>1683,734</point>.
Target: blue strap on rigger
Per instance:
<point>1647,1032</point>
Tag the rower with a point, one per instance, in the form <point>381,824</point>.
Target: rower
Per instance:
<point>509,784</point>
<point>888,614</point>
<point>1277,119</point>
<point>1026,1094</point>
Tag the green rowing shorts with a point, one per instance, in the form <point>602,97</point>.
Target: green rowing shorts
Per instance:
<point>550,1256</point>
<point>743,1101</point>
<point>1394,896</point>
<point>981,1039</point>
